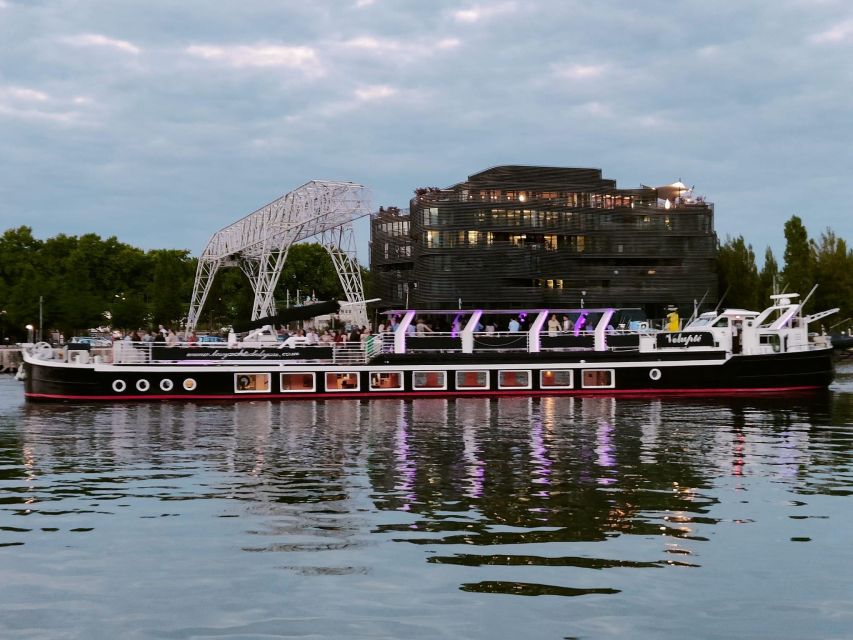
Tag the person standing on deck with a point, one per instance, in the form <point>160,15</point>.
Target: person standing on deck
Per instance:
<point>553,325</point>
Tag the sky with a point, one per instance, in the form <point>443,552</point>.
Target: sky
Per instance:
<point>160,122</point>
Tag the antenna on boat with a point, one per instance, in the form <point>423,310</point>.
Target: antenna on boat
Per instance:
<point>806,299</point>
<point>696,308</point>
<point>717,308</point>
<point>838,323</point>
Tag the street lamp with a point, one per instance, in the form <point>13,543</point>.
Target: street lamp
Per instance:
<point>29,329</point>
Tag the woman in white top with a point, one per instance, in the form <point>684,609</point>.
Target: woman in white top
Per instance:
<point>553,325</point>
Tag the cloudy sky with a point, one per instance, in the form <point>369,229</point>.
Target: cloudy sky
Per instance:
<point>160,122</point>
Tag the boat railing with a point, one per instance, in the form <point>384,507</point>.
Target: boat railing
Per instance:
<point>353,352</point>
<point>440,341</point>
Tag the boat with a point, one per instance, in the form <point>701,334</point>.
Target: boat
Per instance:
<point>732,351</point>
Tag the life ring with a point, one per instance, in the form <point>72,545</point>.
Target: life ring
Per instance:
<point>166,384</point>
<point>655,374</point>
<point>190,384</point>
<point>143,385</point>
<point>42,350</point>
<point>119,386</point>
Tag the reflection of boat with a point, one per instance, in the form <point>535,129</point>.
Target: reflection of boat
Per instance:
<point>728,352</point>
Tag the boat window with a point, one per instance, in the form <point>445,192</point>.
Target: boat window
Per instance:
<point>472,379</point>
<point>386,380</point>
<point>342,382</point>
<point>297,382</point>
<point>770,339</point>
<point>722,322</point>
<point>556,379</point>
<point>251,382</point>
<point>598,379</point>
<point>513,379</point>
<point>429,380</point>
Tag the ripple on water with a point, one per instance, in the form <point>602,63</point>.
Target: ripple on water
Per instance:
<point>427,519</point>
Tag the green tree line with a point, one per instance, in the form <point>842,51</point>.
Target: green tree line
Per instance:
<point>82,283</point>
<point>85,282</point>
<point>826,261</point>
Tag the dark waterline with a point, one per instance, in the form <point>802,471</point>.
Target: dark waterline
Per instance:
<point>468,518</point>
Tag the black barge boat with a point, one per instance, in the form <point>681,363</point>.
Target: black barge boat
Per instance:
<point>730,352</point>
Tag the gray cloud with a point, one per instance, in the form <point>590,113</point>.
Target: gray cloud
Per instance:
<point>160,122</point>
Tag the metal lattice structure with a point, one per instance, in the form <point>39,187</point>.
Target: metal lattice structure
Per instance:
<point>259,242</point>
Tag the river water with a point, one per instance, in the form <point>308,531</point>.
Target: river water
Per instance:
<point>471,518</point>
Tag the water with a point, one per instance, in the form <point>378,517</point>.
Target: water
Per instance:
<point>473,518</point>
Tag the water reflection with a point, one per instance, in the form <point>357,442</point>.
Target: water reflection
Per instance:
<point>534,497</point>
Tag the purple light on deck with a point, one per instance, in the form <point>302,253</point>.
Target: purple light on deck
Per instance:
<point>454,326</point>
<point>579,324</point>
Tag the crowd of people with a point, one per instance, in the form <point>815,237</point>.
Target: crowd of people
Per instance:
<point>310,335</point>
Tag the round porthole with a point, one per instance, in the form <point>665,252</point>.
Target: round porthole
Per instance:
<point>189,384</point>
<point>143,385</point>
<point>654,374</point>
<point>119,386</point>
<point>166,384</point>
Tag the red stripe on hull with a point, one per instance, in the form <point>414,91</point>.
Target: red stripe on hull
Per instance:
<point>638,393</point>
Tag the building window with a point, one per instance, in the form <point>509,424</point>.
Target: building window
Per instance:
<point>293,382</point>
<point>342,382</point>
<point>562,379</point>
<point>429,380</point>
<point>386,380</point>
<point>513,379</point>
<point>598,379</point>
<point>473,237</point>
<point>472,379</point>
<point>550,243</point>
<point>252,382</point>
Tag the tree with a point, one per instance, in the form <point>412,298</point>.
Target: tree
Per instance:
<point>20,280</point>
<point>768,278</point>
<point>309,268</point>
<point>798,273</point>
<point>737,273</point>
<point>834,275</point>
<point>170,287</point>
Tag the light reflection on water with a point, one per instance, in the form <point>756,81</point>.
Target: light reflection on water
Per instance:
<point>429,518</point>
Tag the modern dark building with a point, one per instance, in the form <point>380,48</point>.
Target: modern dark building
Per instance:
<point>530,237</point>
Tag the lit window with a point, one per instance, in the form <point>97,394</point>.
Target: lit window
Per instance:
<point>556,379</point>
<point>472,380</point>
<point>251,382</point>
<point>386,380</point>
<point>513,379</point>
<point>292,382</point>
<point>429,380</point>
<point>598,379</point>
<point>342,382</point>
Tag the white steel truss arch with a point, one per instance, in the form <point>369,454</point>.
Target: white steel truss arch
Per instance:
<point>259,242</point>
